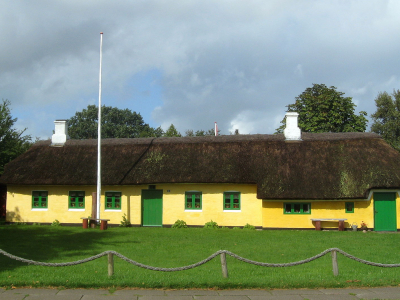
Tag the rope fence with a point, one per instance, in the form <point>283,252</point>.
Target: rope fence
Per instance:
<point>110,254</point>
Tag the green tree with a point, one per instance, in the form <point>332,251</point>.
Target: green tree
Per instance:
<point>386,119</point>
<point>323,109</point>
<point>115,123</point>
<point>210,132</point>
<point>171,131</point>
<point>12,141</point>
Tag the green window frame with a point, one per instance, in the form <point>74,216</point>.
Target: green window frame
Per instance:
<point>297,208</point>
<point>113,200</point>
<point>193,200</point>
<point>349,207</point>
<point>40,199</point>
<point>232,201</point>
<point>76,199</point>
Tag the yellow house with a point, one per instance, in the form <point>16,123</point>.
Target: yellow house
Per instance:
<point>285,181</point>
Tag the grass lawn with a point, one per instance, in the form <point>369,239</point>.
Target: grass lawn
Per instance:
<point>165,247</point>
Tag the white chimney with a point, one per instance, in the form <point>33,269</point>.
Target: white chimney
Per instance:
<point>60,135</point>
<point>292,131</point>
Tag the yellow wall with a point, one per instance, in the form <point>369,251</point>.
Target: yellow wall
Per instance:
<point>273,216</point>
<point>19,204</point>
<point>212,205</point>
<point>268,214</point>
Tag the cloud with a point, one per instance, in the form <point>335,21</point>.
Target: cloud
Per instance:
<point>192,63</point>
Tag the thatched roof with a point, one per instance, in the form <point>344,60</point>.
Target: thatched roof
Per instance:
<point>321,166</point>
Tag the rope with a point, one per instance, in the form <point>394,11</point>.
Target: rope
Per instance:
<point>291,264</point>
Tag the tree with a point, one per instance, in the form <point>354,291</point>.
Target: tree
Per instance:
<point>386,119</point>
<point>115,123</point>
<point>323,109</point>
<point>12,141</point>
<point>171,131</point>
<point>210,132</point>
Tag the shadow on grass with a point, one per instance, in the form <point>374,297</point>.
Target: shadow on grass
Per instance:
<point>52,244</point>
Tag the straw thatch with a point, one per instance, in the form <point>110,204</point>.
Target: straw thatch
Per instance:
<point>321,166</point>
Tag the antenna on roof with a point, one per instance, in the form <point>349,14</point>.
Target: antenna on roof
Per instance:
<point>99,135</point>
<point>216,128</point>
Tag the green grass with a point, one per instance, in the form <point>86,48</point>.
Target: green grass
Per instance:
<point>165,247</point>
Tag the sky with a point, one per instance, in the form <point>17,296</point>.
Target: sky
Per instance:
<point>192,63</point>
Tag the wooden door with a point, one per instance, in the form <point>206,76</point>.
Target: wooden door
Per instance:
<point>152,207</point>
<point>385,212</point>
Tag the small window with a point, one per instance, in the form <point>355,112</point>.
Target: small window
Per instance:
<point>39,199</point>
<point>231,201</point>
<point>349,206</point>
<point>297,208</point>
<point>76,199</point>
<point>193,200</point>
<point>113,200</point>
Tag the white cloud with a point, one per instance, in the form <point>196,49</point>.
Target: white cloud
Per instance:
<point>238,63</point>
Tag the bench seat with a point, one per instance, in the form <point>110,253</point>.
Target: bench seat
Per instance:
<point>318,222</point>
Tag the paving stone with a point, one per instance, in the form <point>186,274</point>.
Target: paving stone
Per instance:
<point>244,292</point>
<point>379,296</point>
<point>139,292</point>
<point>166,298</point>
<point>232,297</point>
<point>346,291</point>
<point>296,292</point>
<point>191,292</point>
<point>281,297</point>
<point>83,292</point>
<point>108,297</point>
<point>52,297</point>
<point>389,289</point>
<point>331,297</point>
<point>12,296</point>
<point>31,291</point>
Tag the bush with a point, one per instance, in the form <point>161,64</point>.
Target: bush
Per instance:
<point>179,224</point>
<point>248,226</point>
<point>211,224</point>
<point>236,227</point>
<point>56,223</point>
<point>125,222</point>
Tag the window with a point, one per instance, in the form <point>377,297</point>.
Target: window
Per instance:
<point>113,200</point>
<point>349,206</point>
<point>297,208</point>
<point>76,199</point>
<point>231,201</point>
<point>193,200</point>
<point>39,199</point>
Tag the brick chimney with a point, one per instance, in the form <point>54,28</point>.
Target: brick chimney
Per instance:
<point>60,135</point>
<point>292,131</point>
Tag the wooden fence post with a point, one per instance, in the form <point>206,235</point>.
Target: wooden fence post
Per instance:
<point>224,265</point>
<point>335,264</point>
<point>110,264</point>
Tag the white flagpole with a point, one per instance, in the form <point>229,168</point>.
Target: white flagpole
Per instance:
<point>99,135</point>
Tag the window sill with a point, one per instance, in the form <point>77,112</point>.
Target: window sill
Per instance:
<point>76,209</point>
<point>40,209</point>
<point>194,210</point>
<point>232,210</point>
<point>113,210</point>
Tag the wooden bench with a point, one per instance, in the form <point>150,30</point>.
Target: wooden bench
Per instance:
<point>103,223</point>
<point>318,223</point>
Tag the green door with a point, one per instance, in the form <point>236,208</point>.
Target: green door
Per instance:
<point>385,211</point>
<point>152,207</point>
